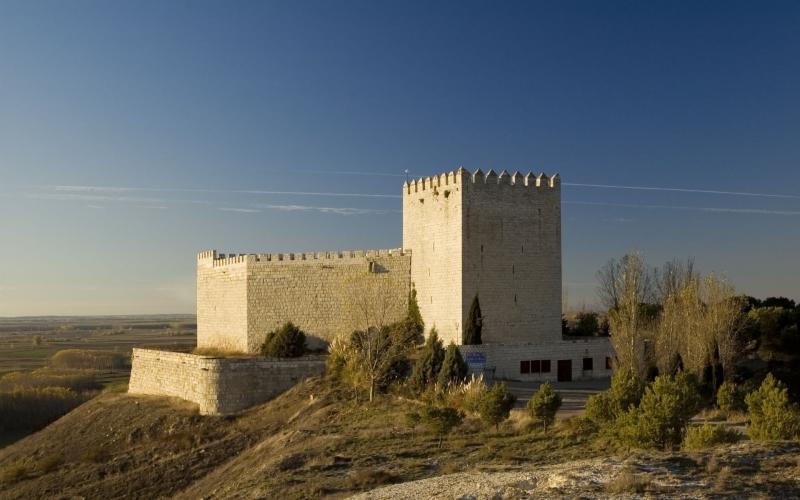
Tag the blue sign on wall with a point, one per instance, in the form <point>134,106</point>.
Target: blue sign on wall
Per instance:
<point>476,358</point>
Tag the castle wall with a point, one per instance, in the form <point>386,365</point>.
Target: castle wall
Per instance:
<point>219,386</point>
<point>512,256</point>
<point>222,302</point>
<point>432,228</point>
<point>325,294</point>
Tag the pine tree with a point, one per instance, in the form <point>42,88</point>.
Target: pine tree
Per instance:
<point>454,368</point>
<point>472,333</point>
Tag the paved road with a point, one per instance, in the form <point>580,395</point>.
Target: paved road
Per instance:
<point>573,394</point>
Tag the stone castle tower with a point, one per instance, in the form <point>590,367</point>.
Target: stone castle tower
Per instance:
<point>494,237</point>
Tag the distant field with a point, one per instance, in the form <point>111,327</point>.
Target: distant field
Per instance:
<point>27,343</point>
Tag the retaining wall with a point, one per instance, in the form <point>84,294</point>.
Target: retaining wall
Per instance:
<point>219,386</point>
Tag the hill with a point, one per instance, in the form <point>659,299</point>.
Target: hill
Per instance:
<point>316,440</point>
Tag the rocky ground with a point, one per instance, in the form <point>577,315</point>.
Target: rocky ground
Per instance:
<point>743,471</point>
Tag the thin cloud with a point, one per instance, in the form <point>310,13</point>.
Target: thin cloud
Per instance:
<point>240,210</point>
<point>330,210</point>
<point>758,211</point>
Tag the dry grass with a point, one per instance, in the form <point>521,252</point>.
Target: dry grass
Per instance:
<point>220,353</point>
<point>627,481</point>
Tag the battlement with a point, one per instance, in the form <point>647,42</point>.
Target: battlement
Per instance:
<point>213,259</point>
<point>461,176</point>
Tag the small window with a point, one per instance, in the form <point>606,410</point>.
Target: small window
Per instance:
<point>608,363</point>
<point>588,364</point>
<point>545,366</point>
<point>524,366</point>
<point>536,366</point>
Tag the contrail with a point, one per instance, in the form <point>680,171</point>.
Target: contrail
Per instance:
<point>759,211</point>
<point>682,190</point>
<point>120,189</point>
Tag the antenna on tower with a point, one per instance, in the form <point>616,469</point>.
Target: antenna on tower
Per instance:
<point>406,171</point>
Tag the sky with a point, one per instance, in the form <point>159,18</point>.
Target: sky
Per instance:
<point>135,134</point>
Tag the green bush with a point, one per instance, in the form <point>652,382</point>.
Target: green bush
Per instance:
<point>772,417</point>
<point>544,404</point>
<point>625,393</point>
<point>496,405</point>
<point>32,409</point>
<point>287,341</point>
<point>700,437</point>
<point>454,368</point>
<point>663,414</point>
<point>87,359</point>
<point>730,397</point>
<point>429,363</point>
<point>441,421</point>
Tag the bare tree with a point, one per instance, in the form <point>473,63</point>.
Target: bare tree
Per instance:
<point>724,321</point>
<point>369,352</point>
<point>700,324</point>
<point>673,276</point>
<point>627,285</point>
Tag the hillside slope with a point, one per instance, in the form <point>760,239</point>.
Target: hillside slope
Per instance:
<point>316,440</point>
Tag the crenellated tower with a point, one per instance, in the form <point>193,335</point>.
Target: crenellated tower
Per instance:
<point>494,236</point>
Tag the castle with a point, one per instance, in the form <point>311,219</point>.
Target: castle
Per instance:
<point>491,238</point>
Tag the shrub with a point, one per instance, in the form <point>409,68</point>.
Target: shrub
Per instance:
<point>661,418</point>
<point>77,380</point>
<point>700,437</point>
<point>367,479</point>
<point>13,473</point>
<point>730,397</point>
<point>87,359</point>
<point>544,404</point>
<point>467,395</point>
<point>32,409</point>
<point>428,364</point>
<point>413,419</point>
<point>496,405</point>
<point>454,368</point>
<point>287,341</point>
<point>625,392</point>
<point>772,417</point>
<point>49,463</point>
<point>472,330</point>
<point>441,421</point>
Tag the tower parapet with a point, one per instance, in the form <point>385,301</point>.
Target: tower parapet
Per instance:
<point>461,177</point>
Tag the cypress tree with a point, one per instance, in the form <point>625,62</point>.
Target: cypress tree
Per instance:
<point>429,363</point>
<point>472,332</point>
<point>454,368</point>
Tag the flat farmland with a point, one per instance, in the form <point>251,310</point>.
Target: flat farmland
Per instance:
<point>27,343</point>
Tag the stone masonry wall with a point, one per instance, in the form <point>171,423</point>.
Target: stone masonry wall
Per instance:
<point>504,359</point>
<point>326,294</point>
<point>221,302</point>
<point>512,256</point>
<point>240,298</point>
<point>494,236</point>
<point>432,229</point>
<point>219,386</point>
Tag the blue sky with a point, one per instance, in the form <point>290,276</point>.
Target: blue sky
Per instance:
<point>135,134</point>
